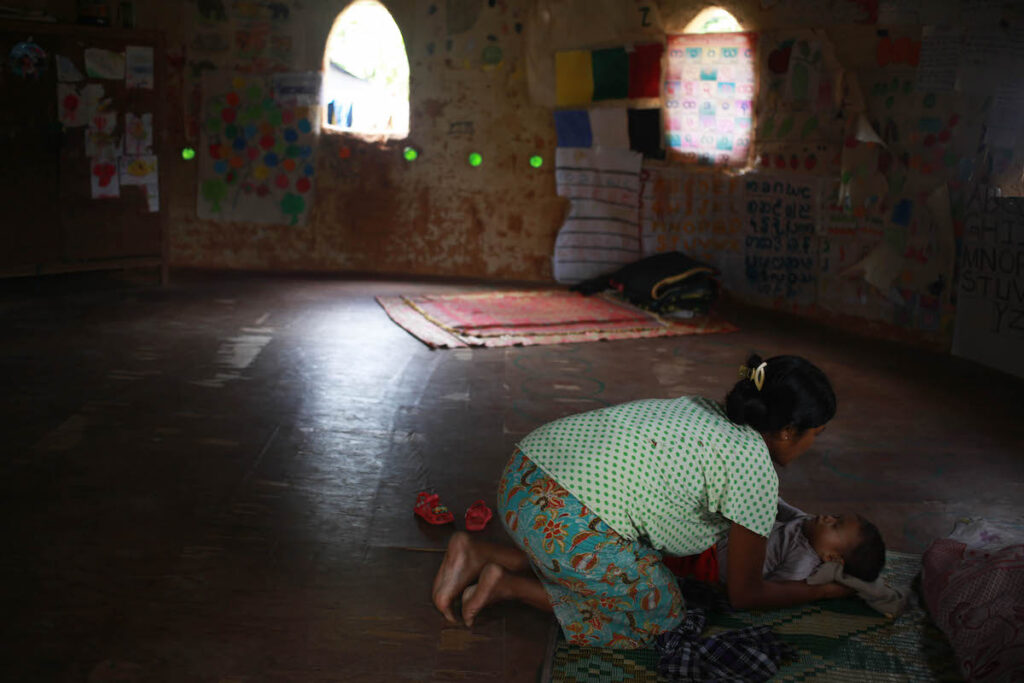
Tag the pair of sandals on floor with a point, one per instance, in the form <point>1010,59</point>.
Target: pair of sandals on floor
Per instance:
<point>429,507</point>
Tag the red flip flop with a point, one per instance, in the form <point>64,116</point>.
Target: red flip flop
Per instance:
<point>478,515</point>
<point>428,506</point>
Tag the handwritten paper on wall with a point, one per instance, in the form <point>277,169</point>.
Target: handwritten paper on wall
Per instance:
<point>990,54</point>
<point>138,138</point>
<point>781,244</point>
<point>141,171</point>
<point>601,233</point>
<point>104,64</point>
<point>67,72</point>
<point>70,109</point>
<point>103,178</point>
<point>939,60</point>
<point>77,105</point>
<point>701,215</point>
<point>709,92</point>
<point>139,70</point>
<point>990,302</point>
<point>300,89</point>
<point>1004,117</point>
<point>102,136</point>
<point>240,36</point>
<point>803,98</point>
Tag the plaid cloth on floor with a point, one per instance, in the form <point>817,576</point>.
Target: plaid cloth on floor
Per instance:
<point>747,654</point>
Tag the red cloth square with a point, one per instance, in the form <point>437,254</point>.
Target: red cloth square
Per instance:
<point>645,70</point>
<point>703,567</point>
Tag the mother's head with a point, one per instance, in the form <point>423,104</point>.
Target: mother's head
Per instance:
<point>787,399</point>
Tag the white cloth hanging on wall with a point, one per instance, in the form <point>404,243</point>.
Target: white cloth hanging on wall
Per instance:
<point>602,231</point>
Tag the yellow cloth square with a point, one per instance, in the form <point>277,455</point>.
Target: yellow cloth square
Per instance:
<point>574,78</point>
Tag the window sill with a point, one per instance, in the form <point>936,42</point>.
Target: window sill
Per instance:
<point>366,135</point>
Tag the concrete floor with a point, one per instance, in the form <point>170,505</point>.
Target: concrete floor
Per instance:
<point>214,481</point>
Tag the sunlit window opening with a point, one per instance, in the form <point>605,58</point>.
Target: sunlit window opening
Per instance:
<point>366,73</point>
<point>713,20</point>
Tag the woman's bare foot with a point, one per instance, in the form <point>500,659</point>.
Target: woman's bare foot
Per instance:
<point>460,567</point>
<point>485,591</point>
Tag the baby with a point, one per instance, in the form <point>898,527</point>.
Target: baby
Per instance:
<point>800,543</point>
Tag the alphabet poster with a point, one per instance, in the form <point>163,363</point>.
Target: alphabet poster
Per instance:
<point>257,152</point>
<point>709,97</point>
<point>990,299</point>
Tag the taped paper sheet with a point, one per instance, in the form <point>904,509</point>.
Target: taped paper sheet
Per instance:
<point>990,299</point>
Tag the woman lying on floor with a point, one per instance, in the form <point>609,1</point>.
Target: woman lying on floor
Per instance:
<point>592,499</point>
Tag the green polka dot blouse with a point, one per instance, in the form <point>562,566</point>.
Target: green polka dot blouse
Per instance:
<point>673,471</point>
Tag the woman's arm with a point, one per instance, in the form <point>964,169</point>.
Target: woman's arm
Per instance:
<point>747,588</point>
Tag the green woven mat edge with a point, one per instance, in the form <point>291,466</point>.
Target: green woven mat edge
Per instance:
<point>870,640</point>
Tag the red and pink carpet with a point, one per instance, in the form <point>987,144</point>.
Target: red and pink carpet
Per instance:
<point>527,317</point>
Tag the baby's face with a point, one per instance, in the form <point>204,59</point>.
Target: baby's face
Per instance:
<point>832,536</point>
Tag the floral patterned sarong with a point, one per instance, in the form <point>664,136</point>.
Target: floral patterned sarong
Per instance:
<point>606,591</point>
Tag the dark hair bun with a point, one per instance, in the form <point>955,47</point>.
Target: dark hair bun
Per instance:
<point>795,393</point>
<point>744,404</point>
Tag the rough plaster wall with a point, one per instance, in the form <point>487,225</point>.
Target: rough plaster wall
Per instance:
<point>372,211</point>
<point>375,212</point>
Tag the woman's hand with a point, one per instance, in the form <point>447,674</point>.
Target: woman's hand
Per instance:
<point>748,590</point>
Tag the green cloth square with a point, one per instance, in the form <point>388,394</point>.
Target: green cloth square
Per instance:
<point>611,74</point>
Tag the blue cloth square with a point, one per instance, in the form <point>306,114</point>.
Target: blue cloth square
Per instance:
<point>902,212</point>
<point>573,128</point>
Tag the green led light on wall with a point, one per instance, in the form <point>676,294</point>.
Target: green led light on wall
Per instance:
<point>188,154</point>
<point>475,159</point>
<point>536,161</point>
<point>410,154</point>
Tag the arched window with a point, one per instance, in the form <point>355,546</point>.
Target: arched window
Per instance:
<point>709,91</point>
<point>713,20</point>
<point>366,73</point>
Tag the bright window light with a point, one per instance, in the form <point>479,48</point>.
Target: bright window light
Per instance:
<point>366,73</point>
<point>713,20</point>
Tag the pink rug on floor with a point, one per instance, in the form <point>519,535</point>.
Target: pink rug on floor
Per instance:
<point>525,317</point>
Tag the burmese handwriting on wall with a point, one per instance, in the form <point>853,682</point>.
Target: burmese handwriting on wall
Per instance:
<point>781,248</point>
<point>990,302</point>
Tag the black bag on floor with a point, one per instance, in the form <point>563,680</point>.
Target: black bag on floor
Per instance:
<point>661,283</point>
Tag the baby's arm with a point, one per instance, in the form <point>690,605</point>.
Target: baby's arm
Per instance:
<point>797,565</point>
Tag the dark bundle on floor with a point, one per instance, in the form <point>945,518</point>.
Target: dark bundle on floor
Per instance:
<point>747,654</point>
<point>662,283</point>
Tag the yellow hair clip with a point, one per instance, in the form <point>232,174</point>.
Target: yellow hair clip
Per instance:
<point>756,374</point>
